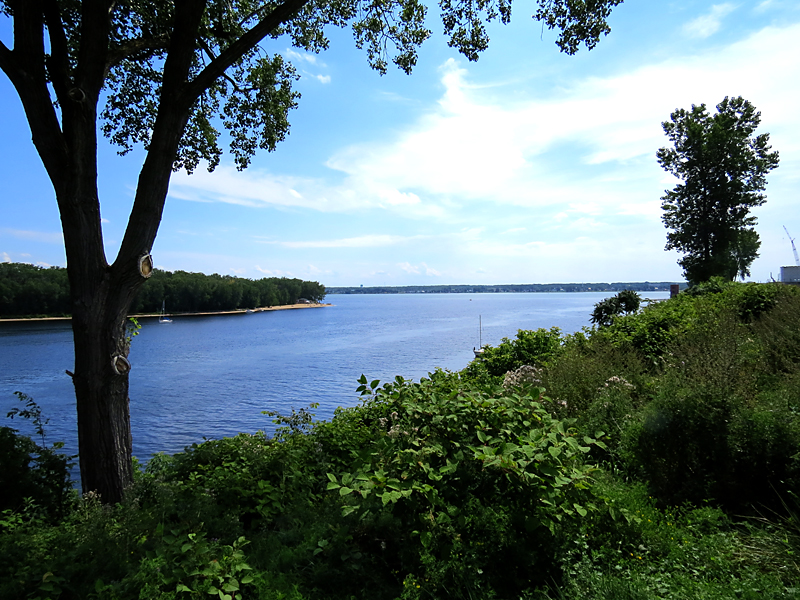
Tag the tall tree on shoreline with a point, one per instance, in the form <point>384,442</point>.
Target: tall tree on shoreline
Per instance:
<point>723,167</point>
<point>165,74</point>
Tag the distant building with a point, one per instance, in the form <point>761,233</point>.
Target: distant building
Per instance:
<point>790,275</point>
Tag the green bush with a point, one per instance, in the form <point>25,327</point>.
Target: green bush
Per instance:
<point>33,477</point>
<point>480,483</point>
<point>533,348</point>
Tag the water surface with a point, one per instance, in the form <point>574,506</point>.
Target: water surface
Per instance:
<point>208,377</point>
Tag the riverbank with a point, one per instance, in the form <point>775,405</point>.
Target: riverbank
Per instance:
<point>241,311</point>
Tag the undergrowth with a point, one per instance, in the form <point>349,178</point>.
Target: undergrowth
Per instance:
<point>654,457</point>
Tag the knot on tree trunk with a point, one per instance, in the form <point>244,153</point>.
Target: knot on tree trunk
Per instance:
<point>120,364</point>
<point>77,94</point>
<point>146,265</point>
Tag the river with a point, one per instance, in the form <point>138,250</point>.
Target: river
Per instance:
<point>209,377</point>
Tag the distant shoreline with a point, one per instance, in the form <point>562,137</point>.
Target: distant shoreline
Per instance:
<point>242,311</point>
<point>513,288</point>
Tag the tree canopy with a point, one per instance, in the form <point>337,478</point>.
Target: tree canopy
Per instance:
<point>723,168</point>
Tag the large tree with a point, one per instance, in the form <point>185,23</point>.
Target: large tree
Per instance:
<point>723,167</point>
<point>166,74</point>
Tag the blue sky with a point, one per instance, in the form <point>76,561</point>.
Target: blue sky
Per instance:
<point>528,166</point>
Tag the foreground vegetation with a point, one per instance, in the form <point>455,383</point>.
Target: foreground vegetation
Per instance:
<point>656,457</point>
<point>28,290</point>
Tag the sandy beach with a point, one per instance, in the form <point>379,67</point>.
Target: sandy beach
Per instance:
<point>192,314</point>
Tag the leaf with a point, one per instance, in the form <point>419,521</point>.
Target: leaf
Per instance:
<point>343,491</point>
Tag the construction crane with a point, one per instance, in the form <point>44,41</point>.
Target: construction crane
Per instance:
<point>791,239</point>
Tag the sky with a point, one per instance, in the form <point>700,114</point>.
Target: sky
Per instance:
<point>527,166</point>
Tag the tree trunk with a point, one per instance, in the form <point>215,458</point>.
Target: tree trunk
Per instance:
<point>101,296</point>
<point>101,391</point>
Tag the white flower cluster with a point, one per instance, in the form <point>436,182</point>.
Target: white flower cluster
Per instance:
<point>617,382</point>
<point>394,430</point>
<point>524,375</point>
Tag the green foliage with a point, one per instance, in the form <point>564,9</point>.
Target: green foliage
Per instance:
<point>458,487</point>
<point>34,478</point>
<point>482,480</point>
<point>723,169</point>
<point>188,565</point>
<point>30,290</point>
<point>627,302</point>
<point>26,290</point>
<point>528,348</point>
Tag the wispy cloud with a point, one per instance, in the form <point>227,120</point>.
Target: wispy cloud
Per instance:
<point>708,24</point>
<point>35,236</point>
<point>303,57</point>
<point>274,272</point>
<point>364,241</point>
<point>418,269</point>
<point>6,258</point>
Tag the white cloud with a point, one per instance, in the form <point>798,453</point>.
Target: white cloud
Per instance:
<point>35,236</point>
<point>323,78</point>
<point>764,6</point>
<point>6,258</point>
<point>418,269</point>
<point>409,268</point>
<point>589,146</point>
<point>364,241</point>
<point>430,271</point>
<point>708,24</point>
<point>274,273</point>
<point>306,57</point>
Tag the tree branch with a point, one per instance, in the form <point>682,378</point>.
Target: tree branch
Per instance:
<point>135,46</point>
<point>92,56</point>
<point>7,64</point>
<point>24,66</point>
<point>58,62</point>
<point>240,47</point>
<point>173,114</point>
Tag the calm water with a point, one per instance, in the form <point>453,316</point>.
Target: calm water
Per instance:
<point>212,376</point>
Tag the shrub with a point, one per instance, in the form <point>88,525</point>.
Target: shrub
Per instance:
<point>482,484</point>
<point>33,474</point>
<point>534,348</point>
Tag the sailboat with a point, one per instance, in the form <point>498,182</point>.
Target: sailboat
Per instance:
<point>479,351</point>
<point>162,318</point>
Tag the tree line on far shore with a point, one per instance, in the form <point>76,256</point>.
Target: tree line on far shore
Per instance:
<point>28,290</point>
